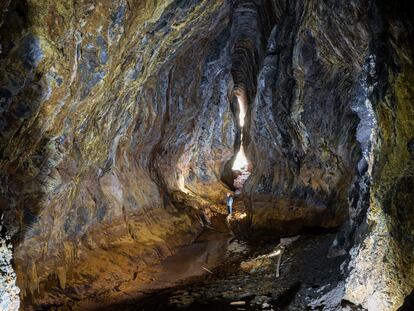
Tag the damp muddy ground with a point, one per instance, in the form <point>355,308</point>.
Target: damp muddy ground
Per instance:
<point>309,279</point>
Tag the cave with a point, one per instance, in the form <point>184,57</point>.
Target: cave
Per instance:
<point>124,124</point>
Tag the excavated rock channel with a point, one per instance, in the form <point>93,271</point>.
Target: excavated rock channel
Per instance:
<point>309,280</point>
<point>118,130</point>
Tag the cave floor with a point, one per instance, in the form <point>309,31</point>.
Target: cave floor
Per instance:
<point>308,280</point>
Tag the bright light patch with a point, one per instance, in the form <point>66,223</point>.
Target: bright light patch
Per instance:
<point>242,215</point>
<point>242,112</point>
<point>275,253</point>
<point>240,162</point>
<point>241,121</point>
<point>181,184</point>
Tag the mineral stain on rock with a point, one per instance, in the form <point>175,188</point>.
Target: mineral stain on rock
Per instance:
<point>119,128</point>
<point>30,51</point>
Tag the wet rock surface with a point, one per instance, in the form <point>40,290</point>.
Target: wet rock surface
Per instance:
<point>308,280</point>
<point>207,252</point>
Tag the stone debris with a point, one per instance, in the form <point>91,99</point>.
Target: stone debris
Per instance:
<point>238,247</point>
<point>241,179</point>
<point>308,278</point>
<point>262,262</point>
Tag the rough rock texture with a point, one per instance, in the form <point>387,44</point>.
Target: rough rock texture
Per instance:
<point>382,263</point>
<point>331,135</point>
<point>118,131</point>
<point>115,122</point>
<point>302,131</point>
<point>9,292</point>
<point>302,284</point>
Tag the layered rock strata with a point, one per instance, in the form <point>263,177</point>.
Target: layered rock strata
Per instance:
<point>118,129</point>
<point>115,124</point>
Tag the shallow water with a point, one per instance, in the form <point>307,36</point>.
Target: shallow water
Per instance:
<point>306,274</point>
<point>193,260</point>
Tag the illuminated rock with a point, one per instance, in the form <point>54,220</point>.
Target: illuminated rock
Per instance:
<point>120,123</point>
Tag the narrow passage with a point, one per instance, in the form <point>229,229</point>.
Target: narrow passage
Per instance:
<point>242,168</point>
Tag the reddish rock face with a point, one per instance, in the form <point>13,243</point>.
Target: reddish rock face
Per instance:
<point>119,127</point>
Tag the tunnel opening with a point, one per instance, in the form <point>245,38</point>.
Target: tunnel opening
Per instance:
<point>241,167</point>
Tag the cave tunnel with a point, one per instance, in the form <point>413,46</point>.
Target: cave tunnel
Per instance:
<point>124,124</point>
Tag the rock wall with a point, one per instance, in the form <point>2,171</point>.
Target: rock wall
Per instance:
<point>117,130</point>
<point>303,128</point>
<point>115,123</point>
<point>381,268</point>
<point>331,138</point>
